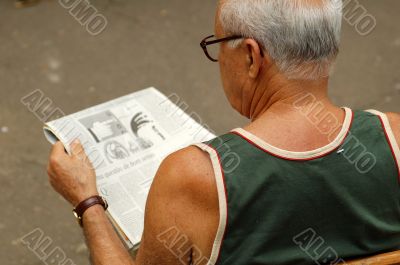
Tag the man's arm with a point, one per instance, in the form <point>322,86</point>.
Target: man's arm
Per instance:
<point>394,120</point>
<point>105,246</point>
<point>181,213</point>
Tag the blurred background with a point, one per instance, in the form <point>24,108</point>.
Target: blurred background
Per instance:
<point>145,43</point>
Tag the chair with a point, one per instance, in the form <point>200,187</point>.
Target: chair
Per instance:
<point>389,258</point>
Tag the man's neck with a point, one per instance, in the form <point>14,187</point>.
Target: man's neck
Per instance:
<point>278,94</point>
<point>280,110</point>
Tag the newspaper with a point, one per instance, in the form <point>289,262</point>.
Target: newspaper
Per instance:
<point>126,139</point>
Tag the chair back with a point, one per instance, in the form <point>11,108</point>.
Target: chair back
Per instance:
<point>390,258</point>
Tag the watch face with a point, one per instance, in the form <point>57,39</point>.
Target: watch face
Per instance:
<point>78,218</point>
<point>105,203</point>
<point>76,215</point>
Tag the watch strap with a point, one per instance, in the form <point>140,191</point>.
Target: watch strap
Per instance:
<point>86,204</point>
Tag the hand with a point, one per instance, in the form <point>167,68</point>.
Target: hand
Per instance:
<point>72,176</point>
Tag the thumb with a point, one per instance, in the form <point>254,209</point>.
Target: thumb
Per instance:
<point>77,149</point>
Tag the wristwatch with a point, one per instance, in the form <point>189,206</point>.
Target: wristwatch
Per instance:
<point>86,204</point>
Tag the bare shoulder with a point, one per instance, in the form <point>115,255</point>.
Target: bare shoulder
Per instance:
<point>394,119</point>
<point>185,182</point>
<point>183,200</point>
<point>189,169</point>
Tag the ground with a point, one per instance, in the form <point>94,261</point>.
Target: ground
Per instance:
<point>145,43</point>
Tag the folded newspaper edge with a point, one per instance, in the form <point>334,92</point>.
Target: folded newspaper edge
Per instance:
<point>126,139</point>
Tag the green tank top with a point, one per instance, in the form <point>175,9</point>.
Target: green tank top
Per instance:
<point>324,206</point>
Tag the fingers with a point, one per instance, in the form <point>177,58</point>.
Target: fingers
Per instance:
<point>77,149</point>
<point>57,155</point>
<point>57,151</point>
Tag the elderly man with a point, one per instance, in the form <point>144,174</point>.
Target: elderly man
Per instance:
<point>313,182</point>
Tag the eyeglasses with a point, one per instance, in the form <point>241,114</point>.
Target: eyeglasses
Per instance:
<point>212,51</point>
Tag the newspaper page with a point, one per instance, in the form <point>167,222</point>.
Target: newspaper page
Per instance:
<point>126,139</point>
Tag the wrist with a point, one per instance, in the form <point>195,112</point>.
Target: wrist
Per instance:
<point>93,216</point>
<point>94,211</point>
<point>86,205</point>
<point>82,198</point>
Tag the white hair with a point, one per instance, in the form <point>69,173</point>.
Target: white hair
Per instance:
<point>301,36</point>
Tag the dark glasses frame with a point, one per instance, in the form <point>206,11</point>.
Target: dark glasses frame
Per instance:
<point>205,42</point>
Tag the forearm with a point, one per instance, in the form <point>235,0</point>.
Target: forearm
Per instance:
<point>105,246</point>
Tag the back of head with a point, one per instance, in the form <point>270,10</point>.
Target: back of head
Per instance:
<point>301,36</point>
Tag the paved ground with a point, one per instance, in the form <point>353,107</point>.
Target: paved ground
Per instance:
<point>146,43</point>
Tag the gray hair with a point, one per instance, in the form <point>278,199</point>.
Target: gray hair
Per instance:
<point>301,36</point>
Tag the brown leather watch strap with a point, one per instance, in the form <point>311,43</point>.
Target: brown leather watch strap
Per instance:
<point>86,204</point>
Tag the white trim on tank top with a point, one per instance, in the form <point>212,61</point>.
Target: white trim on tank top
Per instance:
<point>307,155</point>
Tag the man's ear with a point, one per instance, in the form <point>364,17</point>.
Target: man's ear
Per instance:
<point>254,57</point>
